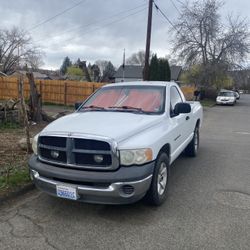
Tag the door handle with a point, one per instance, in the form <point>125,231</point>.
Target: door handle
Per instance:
<point>187,118</point>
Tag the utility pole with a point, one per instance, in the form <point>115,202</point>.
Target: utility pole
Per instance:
<point>147,52</point>
<point>123,66</point>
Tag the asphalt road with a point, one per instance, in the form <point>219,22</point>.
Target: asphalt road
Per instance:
<point>208,206</point>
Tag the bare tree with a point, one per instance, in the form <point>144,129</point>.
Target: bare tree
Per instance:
<point>82,65</point>
<point>102,64</point>
<point>35,100</point>
<point>108,72</point>
<point>137,58</point>
<point>16,48</point>
<point>202,39</point>
<point>24,114</point>
<point>34,60</point>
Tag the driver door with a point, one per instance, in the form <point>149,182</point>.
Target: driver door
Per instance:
<point>179,122</point>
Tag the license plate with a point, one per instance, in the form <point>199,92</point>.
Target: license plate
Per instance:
<point>66,192</point>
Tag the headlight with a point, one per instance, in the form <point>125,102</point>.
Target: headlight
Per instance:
<point>136,156</point>
<point>34,144</point>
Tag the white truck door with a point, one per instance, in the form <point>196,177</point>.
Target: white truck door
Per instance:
<point>180,122</point>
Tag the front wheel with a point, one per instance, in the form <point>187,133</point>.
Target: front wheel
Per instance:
<point>193,146</point>
<point>157,192</point>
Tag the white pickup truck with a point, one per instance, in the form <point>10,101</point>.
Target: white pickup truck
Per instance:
<point>119,144</point>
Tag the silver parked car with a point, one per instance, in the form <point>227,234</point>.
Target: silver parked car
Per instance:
<point>226,97</point>
<point>237,95</point>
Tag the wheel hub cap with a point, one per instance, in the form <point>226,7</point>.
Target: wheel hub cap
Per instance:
<point>162,179</point>
<point>196,141</point>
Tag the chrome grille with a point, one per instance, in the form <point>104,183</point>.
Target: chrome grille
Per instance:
<point>77,152</point>
<point>91,144</point>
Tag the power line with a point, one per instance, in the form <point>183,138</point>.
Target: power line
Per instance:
<point>178,31</point>
<point>175,6</point>
<point>108,24</point>
<point>95,22</point>
<point>179,1</point>
<point>163,14</point>
<point>55,16</point>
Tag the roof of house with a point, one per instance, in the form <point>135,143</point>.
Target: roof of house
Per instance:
<point>175,72</point>
<point>136,72</point>
<point>130,71</point>
<point>37,75</point>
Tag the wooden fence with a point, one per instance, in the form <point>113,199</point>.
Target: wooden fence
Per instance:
<point>59,91</point>
<point>52,91</point>
<point>188,91</point>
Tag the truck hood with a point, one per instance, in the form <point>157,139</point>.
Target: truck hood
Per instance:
<point>116,125</point>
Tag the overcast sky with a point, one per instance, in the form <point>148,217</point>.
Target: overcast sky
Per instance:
<point>96,29</point>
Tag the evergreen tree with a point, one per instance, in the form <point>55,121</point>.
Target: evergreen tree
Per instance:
<point>66,63</point>
<point>109,71</point>
<point>159,69</point>
<point>96,72</point>
<point>77,63</point>
<point>168,71</point>
<point>153,69</point>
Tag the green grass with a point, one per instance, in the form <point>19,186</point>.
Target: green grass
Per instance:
<point>207,103</point>
<point>16,178</point>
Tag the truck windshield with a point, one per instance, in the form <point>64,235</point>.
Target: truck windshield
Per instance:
<point>141,99</point>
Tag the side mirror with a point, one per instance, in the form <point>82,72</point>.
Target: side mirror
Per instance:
<point>77,105</point>
<point>182,108</point>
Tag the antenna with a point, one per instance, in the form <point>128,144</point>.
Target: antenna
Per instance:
<point>123,66</point>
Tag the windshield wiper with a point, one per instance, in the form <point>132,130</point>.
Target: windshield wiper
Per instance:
<point>93,107</point>
<point>127,108</point>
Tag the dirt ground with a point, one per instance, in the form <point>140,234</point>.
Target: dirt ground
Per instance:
<point>10,151</point>
<point>13,159</point>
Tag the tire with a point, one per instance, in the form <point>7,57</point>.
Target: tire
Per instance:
<point>192,148</point>
<point>157,192</point>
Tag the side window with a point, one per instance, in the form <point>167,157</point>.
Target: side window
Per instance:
<point>175,98</point>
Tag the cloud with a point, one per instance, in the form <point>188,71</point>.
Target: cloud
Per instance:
<point>95,29</point>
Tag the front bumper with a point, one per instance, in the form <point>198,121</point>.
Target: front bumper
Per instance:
<point>123,186</point>
<point>225,102</point>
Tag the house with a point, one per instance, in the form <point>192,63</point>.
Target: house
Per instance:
<point>37,75</point>
<point>175,72</point>
<point>135,73</point>
<point>41,74</point>
<point>130,73</point>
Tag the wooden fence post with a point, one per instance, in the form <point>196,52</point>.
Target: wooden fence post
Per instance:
<point>93,88</point>
<point>40,90</point>
<point>17,95</point>
<point>65,93</point>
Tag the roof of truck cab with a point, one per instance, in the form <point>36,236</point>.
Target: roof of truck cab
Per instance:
<point>141,83</point>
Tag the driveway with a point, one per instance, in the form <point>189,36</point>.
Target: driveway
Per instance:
<point>208,206</point>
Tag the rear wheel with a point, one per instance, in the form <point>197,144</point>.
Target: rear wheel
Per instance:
<point>157,192</point>
<point>193,146</point>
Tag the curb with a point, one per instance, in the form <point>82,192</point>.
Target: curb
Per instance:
<point>18,192</point>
